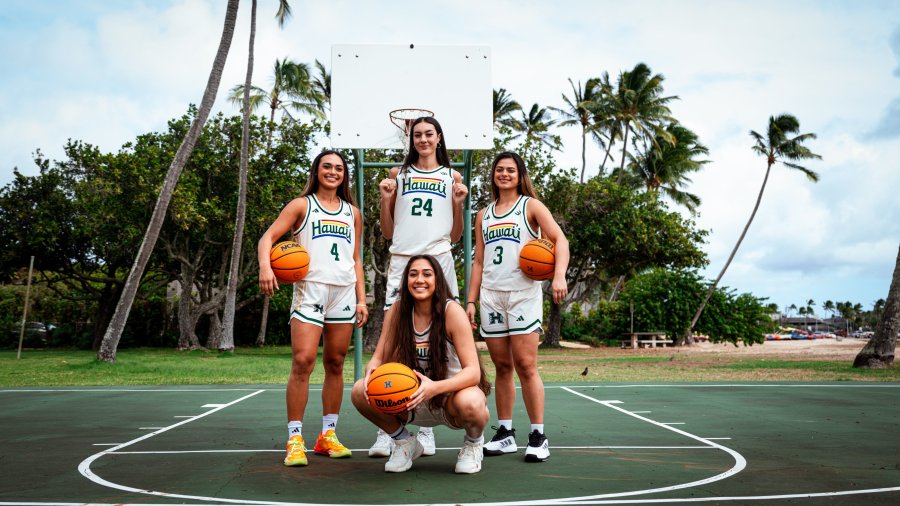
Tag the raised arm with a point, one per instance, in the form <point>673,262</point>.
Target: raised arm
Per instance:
<point>458,193</point>
<point>388,191</point>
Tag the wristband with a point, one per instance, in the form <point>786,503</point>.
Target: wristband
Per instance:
<point>470,302</point>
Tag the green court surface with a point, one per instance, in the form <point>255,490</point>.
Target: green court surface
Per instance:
<point>830,443</point>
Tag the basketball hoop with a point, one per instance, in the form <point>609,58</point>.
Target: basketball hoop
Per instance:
<point>403,119</point>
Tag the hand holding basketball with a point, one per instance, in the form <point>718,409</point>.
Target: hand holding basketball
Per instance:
<point>387,188</point>
<point>537,260</point>
<point>390,387</point>
<point>289,261</point>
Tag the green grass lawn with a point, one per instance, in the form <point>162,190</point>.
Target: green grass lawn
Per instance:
<point>271,365</point>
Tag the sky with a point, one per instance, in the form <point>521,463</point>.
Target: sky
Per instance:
<point>105,71</point>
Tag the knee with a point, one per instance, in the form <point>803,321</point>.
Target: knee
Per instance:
<point>333,364</point>
<point>526,369</point>
<point>472,406</point>
<point>503,367</point>
<point>301,367</point>
<point>358,395</point>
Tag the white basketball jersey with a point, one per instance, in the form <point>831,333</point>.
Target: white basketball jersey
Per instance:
<point>423,353</point>
<point>504,236</point>
<point>423,212</point>
<point>330,239</point>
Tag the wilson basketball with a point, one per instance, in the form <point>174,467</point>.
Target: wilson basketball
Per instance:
<point>537,259</point>
<point>290,261</point>
<point>390,386</point>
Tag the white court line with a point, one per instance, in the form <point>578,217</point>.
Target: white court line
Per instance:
<point>85,466</point>
<point>213,406</point>
<point>672,423</point>
<point>449,448</point>
<point>150,428</point>
<point>729,385</point>
<point>141,390</point>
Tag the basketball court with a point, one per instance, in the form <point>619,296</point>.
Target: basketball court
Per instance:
<point>834,443</point>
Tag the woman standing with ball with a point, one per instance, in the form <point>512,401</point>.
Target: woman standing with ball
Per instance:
<point>427,331</point>
<point>331,298</point>
<point>421,213</point>
<point>512,304</point>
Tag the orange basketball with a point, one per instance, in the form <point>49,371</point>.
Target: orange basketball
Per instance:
<point>390,386</point>
<point>537,259</point>
<point>290,261</point>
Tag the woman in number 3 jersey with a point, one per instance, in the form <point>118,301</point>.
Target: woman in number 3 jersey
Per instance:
<point>421,213</point>
<point>511,304</point>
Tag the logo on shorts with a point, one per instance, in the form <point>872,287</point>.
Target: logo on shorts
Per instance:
<point>495,318</point>
<point>346,308</point>
<point>520,319</point>
<point>318,308</point>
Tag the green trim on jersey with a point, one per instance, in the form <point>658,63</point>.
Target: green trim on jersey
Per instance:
<point>305,218</point>
<point>349,319</point>
<point>511,209</point>
<point>534,234</point>
<point>320,206</point>
<point>420,171</point>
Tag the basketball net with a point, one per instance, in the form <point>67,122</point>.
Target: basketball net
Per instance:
<point>403,119</point>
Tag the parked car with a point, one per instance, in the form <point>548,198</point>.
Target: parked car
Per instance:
<point>35,335</point>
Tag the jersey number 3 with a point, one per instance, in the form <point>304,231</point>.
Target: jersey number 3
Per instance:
<point>498,255</point>
<point>419,206</point>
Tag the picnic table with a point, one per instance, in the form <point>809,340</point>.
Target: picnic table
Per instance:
<point>645,339</point>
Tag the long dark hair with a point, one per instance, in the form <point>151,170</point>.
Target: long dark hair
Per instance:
<point>312,184</point>
<point>437,336</point>
<point>524,187</point>
<point>412,157</point>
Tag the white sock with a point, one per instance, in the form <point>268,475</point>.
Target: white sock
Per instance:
<point>427,430</point>
<point>294,428</point>
<point>400,433</point>
<point>479,439</point>
<point>505,423</point>
<point>537,427</point>
<point>329,422</point>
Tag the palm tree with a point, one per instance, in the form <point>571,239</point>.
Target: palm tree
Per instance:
<point>292,88</point>
<point>639,107</point>
<point>321,84</point>
<point>579,111</point>
<point>226,342</point>
<point>879,351</point>
<point>778,145</point>
<point>113,334</point>
<point>504,107</point>
<point>664,166</point>
<point>535,124</point>
<point>828,307</point>
<point>811,311</point>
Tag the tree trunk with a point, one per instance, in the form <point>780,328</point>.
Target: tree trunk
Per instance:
<point>554,326</point>
<point>621,176</point>
<point>105,305</point>
<point>263,323</point>
<point>108,347</point>
<point>583,147</point>
<point>215,332</point>
<point>615,291</point>
<point>187,336</point>
<point>879,351</point>
<point>227,330</point>
<point>712,288</point>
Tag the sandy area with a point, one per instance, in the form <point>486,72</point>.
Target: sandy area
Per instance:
<point>800,349</point>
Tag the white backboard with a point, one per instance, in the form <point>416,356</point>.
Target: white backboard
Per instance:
<point>369,81</point>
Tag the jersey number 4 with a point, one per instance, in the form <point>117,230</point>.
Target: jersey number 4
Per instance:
<point>419,205</point>
<point>334,252</point>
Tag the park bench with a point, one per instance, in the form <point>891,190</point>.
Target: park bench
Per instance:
<point>645,340</point>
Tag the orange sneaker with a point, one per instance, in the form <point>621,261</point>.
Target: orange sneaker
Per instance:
<point>328,444</point>
<point>296,452</point>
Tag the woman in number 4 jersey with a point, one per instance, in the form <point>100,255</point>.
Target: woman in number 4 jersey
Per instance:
<point>331,297</point>
<point>421,213</point>
<point>511,304</point>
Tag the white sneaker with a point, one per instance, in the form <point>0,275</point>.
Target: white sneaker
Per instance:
<point>504,441</point>
<point>538,449</point>
<point>405,452</point>
<point>427,440</point>
<point>382,446</point>
<point>469,459</point>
